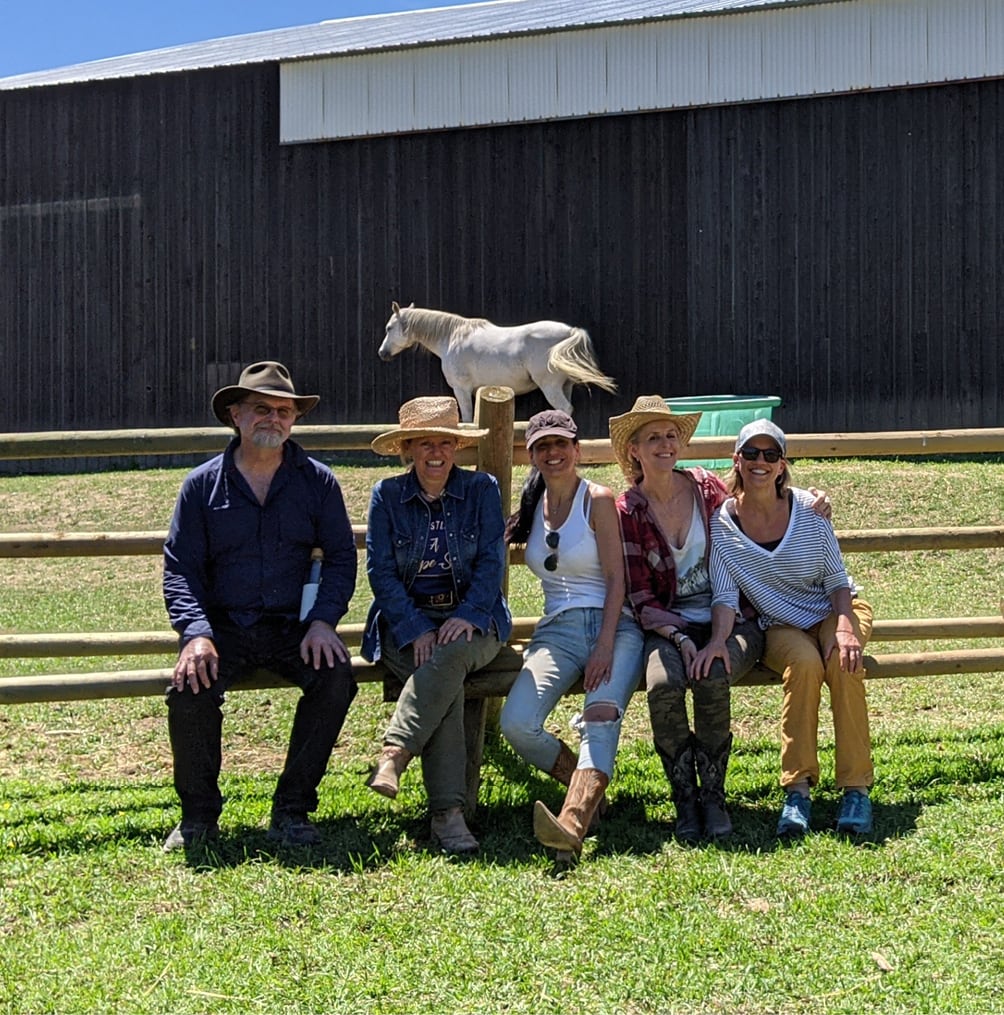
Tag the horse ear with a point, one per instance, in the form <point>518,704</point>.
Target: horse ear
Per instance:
<point>395,307</point>
<point>411,305</point>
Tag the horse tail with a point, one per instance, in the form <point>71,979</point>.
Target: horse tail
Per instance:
<point>574,357</point>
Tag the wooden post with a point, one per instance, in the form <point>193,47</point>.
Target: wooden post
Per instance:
<point>494,410</point>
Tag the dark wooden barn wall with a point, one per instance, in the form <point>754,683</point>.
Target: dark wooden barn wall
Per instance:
<point>844,253</point>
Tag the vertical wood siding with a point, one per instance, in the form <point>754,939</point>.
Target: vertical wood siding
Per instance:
<point>844,252</point>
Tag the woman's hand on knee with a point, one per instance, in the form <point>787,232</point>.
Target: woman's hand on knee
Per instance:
<point>598,667</point>
<point>422,648</point>
<point>455,628</point>
<point>700,665</point>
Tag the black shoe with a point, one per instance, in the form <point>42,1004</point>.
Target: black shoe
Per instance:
<point>293,830</point>
<point>190,835</point>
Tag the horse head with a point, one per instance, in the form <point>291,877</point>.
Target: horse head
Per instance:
<point>396,338</point>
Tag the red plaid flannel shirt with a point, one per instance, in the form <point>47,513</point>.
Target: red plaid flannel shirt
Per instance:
<point>651,571</point>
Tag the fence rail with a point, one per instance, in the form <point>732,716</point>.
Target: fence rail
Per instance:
<point>495,454</point>
<point>209,440</point>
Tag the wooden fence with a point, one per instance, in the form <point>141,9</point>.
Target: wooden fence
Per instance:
<point>497,453</point>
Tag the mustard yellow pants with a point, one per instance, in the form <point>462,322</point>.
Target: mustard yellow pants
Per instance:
<point>797,655</point>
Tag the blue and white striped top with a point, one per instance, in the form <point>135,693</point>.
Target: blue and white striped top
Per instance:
<point>790,584</point>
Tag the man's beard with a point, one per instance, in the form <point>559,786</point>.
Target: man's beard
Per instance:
<point>266,439</point>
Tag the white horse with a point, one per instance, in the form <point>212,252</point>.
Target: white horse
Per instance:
<point>475,353</point>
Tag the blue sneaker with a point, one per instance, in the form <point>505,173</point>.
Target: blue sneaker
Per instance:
<point>855,816</point>
<point>795,815</point>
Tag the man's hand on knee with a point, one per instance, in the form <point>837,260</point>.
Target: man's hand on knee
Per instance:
<point>322,642</point>
<point>198,665</point>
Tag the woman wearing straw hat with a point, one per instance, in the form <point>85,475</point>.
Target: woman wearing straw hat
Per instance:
<point>572,537</point>
<point>435,560</point>
<point>665,517</point>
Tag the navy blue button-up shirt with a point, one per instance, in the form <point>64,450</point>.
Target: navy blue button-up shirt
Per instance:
<point>228,556</point>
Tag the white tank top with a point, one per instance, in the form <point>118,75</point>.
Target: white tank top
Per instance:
<point>693,585</point>
<point>577,581</point>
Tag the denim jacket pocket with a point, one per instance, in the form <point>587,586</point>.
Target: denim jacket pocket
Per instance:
<point>405,558</point>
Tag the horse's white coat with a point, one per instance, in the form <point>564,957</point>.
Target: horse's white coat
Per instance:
<point>475,353</point>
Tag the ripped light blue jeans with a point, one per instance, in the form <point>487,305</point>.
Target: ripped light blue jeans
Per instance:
<point>553,662</point>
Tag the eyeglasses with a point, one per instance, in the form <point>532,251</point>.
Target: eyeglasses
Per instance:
<point>551,560</point>
<point>263,411</point>
<point>752,454</point>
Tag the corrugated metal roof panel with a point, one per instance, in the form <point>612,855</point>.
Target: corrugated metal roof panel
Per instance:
<point>532,86</point>
<point>388,31</point>
<point>746,56</point>
<point>484,83</point>
<point>960,32</point>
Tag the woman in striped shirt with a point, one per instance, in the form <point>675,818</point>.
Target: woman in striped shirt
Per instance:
<point>767,543</point>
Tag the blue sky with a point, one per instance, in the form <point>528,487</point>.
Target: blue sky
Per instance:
<point>43,34</point>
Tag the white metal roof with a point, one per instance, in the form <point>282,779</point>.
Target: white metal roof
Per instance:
<point>380,32</point>
<point>711,57</point>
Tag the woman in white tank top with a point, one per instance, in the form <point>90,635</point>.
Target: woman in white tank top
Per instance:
<point>571,533</point>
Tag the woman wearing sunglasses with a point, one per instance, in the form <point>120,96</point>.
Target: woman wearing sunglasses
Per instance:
<point>570,530</point>
<point>768,544</point>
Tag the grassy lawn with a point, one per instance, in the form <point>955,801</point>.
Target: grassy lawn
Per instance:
<point>94,918</point>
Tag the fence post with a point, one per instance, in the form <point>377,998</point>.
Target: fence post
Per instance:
<point>494,410</point>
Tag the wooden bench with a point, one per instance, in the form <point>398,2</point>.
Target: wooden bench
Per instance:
<point>491,682</point>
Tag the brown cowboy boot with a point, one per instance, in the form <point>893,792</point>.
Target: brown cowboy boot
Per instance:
<point>564,765</point>
<point>390,765</point>
<point>561,771</point>
<point>450,831</point>
<point>566,831</point>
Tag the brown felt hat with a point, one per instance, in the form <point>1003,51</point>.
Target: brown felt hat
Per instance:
<point>647,409</point>
<point>429,416</point>
<point>265,378</point>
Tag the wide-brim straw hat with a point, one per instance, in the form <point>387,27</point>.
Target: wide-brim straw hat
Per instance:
<point>647,409</point>
<point>265,378</point>
<point>429,416</point>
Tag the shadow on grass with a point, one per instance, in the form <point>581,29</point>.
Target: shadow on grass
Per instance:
<point>628,829</point>
<point>913,773</point>
<point>359,844</point>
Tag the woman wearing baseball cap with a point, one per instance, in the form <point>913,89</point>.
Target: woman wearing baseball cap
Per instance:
<point>768,544</point>
<point>572,537</point>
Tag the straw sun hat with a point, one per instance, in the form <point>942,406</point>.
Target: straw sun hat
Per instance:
<point>431,416</point>
<point>647,409</point>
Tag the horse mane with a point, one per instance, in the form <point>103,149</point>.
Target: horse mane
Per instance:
<point>439,324</point>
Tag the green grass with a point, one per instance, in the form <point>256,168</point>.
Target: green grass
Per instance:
<point>94,918</point>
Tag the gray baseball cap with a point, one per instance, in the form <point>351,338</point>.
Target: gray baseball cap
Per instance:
<point>764,428</point>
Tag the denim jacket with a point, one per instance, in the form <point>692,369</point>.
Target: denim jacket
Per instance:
<point>396,534</point>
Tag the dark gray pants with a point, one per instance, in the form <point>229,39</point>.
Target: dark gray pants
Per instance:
<point>667,684</point>
<point>429,718</point>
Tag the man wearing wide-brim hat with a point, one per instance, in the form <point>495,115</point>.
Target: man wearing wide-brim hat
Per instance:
<point>236,559</point>
<point>435,560</point>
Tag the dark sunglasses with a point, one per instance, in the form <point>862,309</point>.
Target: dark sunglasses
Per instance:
<point>752,454</point>
<point>551,560</point>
